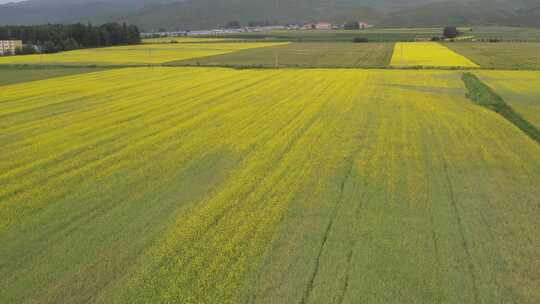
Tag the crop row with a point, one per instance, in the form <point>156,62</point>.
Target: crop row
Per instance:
<point>204,185</point>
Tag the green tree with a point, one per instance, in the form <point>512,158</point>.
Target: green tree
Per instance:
<point>352,25</point>
<point>233,24</point>
<point>26,50</point>
<point>49,47</point>
<point>70,44</point>
<point>450,32</point>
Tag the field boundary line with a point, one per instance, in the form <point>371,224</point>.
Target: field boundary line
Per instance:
<point>485,96</point>
<point>461,229</point>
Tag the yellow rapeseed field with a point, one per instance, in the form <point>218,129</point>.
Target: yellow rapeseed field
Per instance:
<point>207,185</point>
<point>134,54</point>
<point>429,54</point>
<point>520,89</point>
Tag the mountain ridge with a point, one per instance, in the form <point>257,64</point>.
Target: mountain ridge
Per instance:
<point>205,14</point>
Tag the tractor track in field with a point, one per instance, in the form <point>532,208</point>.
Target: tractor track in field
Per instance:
<point>309,287</point>
<point>459,221</point>
<point>350,254</point>
<point>343,292</point>
<point>429,191</point>
<point>460,227</point>
<point>339,204</point>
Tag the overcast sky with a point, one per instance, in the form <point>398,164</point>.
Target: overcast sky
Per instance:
<point>6,1</point>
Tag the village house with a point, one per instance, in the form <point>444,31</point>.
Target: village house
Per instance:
<point>323,26</point>
<point>308,26</point>
<point>8,47</point>
<point>363,25</point>
<point>317,26</point>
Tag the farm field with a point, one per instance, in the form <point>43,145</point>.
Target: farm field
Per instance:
<point>504,33</point>
<point>304,55</point>
<point>132,54</point>
<point>393,34</point>
<point>427,54</point>
<point>502,55</point>
<point>12,75</point>
<point>185,39</point>
<point>373,35</point>
<point>263,186</point>
<point>520,89</point>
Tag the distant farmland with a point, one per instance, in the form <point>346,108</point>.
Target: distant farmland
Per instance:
<point>337,36</point>
<point>393,34</point>
<point>186,39</point>
<point>303,55</point>
<point>210,185</point>
<point>132,54</point>
<point>218,52</point>
<point>502,55</point>
<point>430,54</point>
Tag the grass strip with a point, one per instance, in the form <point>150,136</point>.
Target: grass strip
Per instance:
<point>484,96</point>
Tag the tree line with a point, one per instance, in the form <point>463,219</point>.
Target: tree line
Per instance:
<point>52,38</point>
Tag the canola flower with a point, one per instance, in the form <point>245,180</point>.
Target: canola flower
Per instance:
<point>135,54</point>
<point>429,54</point>
<point>270,186</point>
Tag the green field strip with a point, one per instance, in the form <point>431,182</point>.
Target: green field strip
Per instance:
<point>482,33</point>
<point>13,75</point>
<point>501,55</point>
<point>183,39</point>
<point>483,95</point>
<point>519,89</point>
<point>373,35</point>
<point>302,55</point>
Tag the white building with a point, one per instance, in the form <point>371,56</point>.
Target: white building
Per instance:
<point>8,47</point>
<point>323,26</point>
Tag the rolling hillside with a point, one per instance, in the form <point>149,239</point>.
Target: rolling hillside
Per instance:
<point>69,11</point>
<point>200,14</point>
<point>211,13</point>
<point>465,12</point>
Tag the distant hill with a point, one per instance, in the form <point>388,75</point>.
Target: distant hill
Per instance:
<point>197,14</point>
<point>68,11</point>
<point>204,14</point>
<point>468,12</point>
